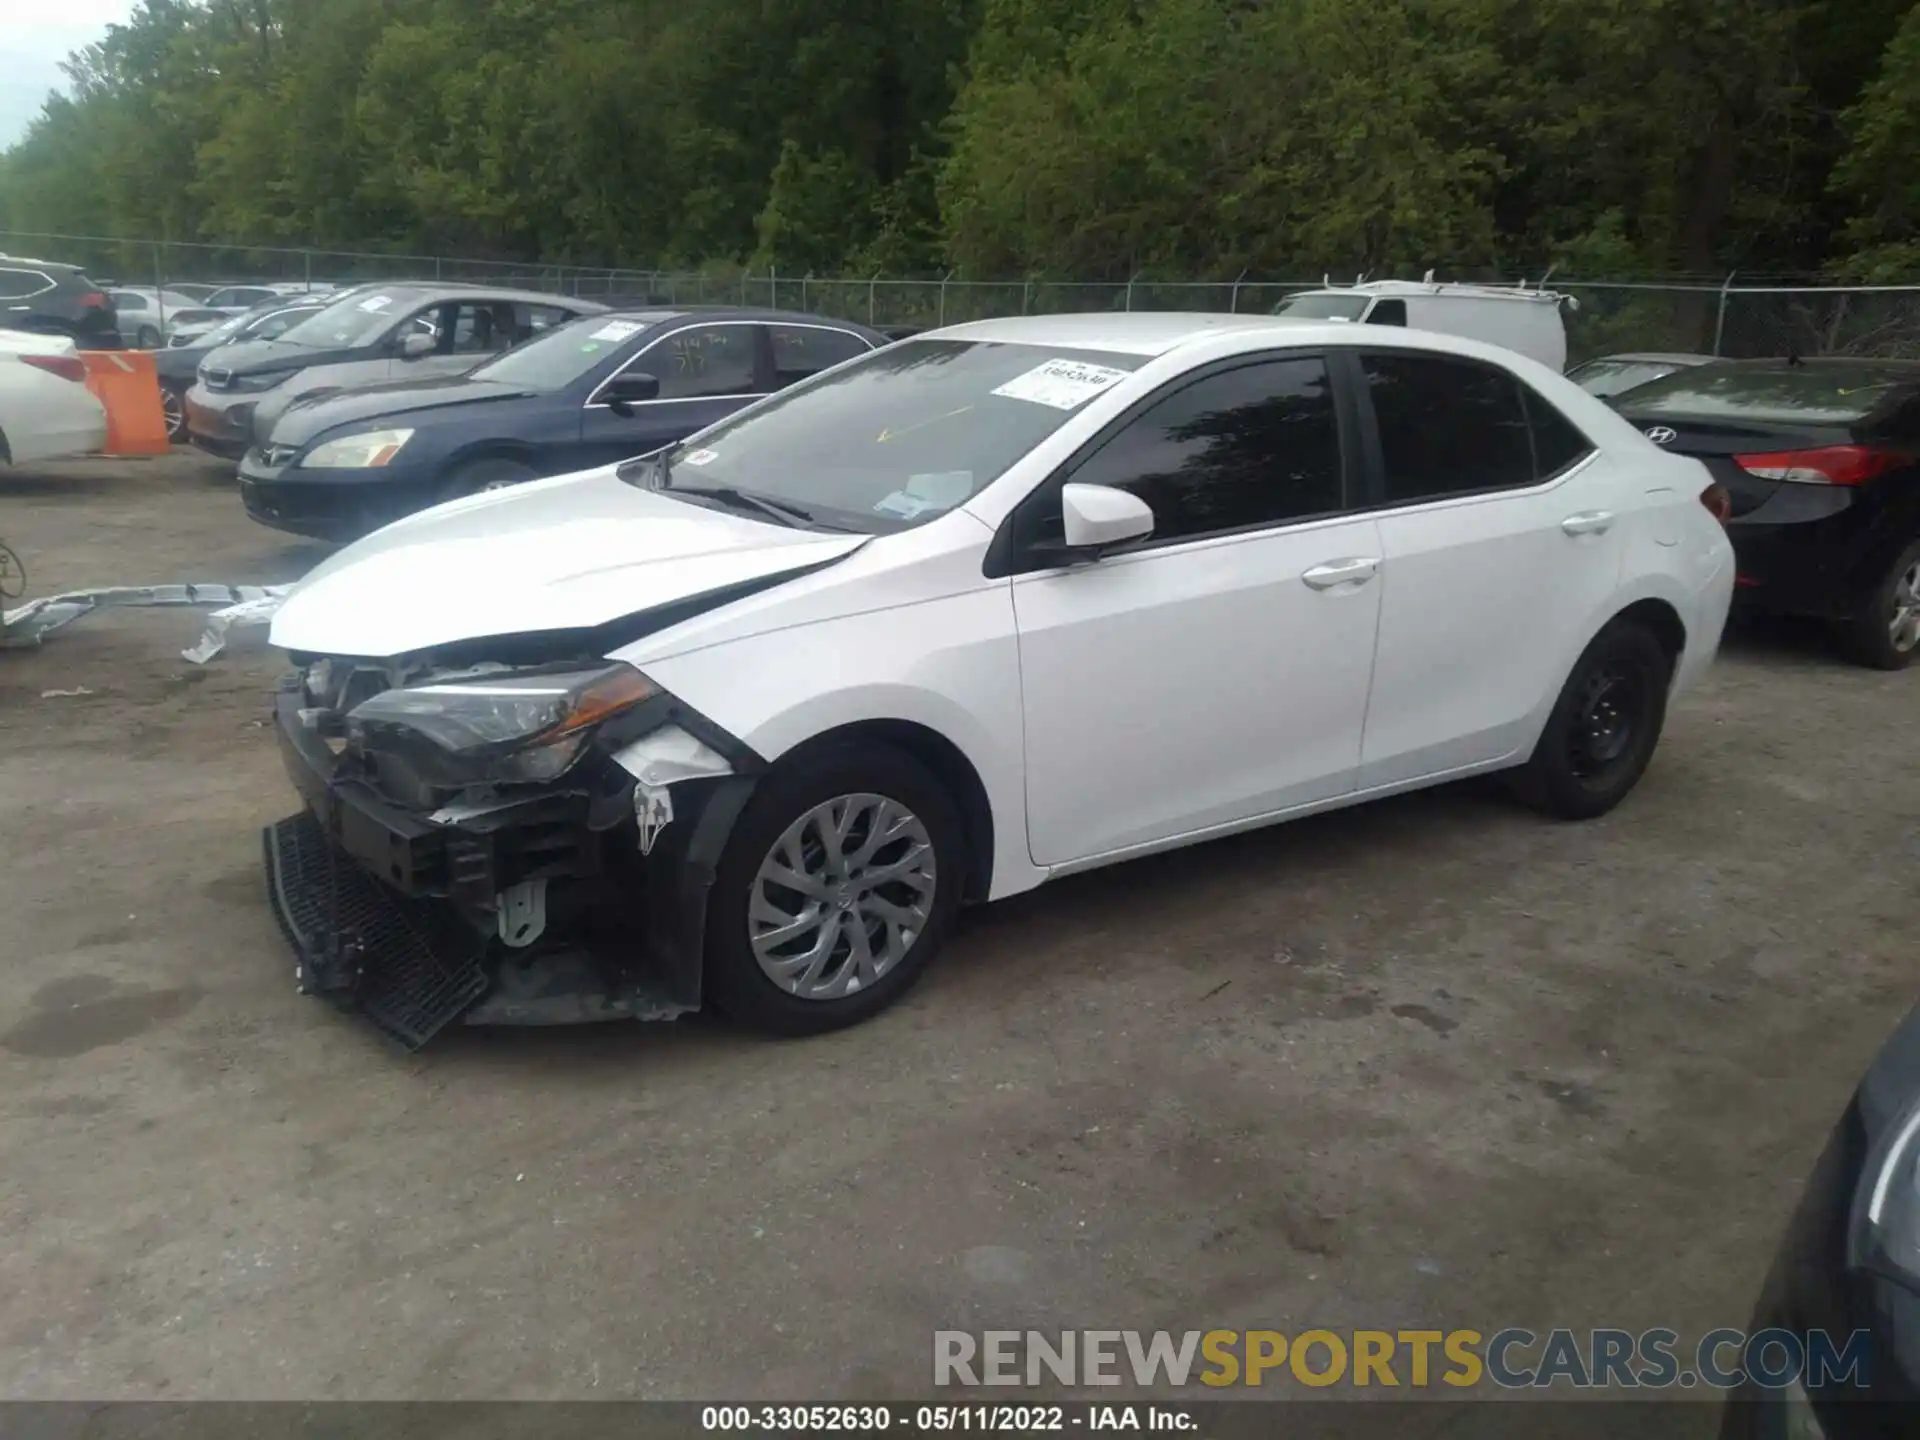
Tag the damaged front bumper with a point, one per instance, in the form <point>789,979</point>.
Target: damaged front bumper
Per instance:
<point>537,908</point>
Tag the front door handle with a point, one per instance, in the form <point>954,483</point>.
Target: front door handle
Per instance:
<point>1588,522</point>
<point>1342,572</point>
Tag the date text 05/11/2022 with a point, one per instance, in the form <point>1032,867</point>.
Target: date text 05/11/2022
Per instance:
<point>940,1419</point>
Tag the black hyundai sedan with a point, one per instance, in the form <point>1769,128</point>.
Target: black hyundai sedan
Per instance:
<point>1821,462</point>
<point>588,393</point>
<point>1848,1269</point>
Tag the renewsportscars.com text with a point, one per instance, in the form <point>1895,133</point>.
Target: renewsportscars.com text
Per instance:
<point>1509,1359</point>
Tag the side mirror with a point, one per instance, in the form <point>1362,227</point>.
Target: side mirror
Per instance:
<point>1099,517</point>
<point>631,388</point>
<point>413,346</point>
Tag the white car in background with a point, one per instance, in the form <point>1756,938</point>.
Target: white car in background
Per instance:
<point>147,317</point>
<point>992,605</point>
<point>46,409</point>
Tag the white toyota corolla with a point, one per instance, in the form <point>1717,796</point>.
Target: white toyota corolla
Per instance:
<point>746,722</point>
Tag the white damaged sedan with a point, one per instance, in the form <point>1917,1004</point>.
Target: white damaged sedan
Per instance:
<point>746,722</point>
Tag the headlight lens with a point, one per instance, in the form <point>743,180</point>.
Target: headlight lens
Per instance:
<point>509,727</point>
<point>250,383</point>
<point>358,452</point>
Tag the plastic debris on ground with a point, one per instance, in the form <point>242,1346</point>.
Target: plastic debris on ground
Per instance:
<point>32,622</point>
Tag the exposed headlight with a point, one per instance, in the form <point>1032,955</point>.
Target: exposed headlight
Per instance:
<point>506,727</point>
<point>358,452</point>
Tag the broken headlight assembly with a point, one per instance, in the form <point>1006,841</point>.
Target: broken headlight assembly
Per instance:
<point>503,727</point>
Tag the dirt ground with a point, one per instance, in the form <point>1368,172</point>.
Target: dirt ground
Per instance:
<point>1433,1062</point>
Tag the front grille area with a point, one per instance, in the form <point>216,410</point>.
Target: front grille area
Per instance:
<point>412,967</point>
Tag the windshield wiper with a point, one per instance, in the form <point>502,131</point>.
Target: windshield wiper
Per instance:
<point>788,515</point>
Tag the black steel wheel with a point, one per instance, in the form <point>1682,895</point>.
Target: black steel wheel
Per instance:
<point>1603,729</point>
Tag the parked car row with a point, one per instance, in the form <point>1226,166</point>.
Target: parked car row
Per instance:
<point>591,391</point>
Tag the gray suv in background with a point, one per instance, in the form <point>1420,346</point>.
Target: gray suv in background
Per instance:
<point>49,298</point>
<point>370,336</point>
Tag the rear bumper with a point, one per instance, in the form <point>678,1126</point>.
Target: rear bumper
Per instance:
<point>1813,550</point>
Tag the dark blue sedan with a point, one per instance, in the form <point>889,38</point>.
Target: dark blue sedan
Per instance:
<point>590,392</point>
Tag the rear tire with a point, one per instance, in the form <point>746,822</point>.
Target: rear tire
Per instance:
<point>1886,634</point>
<point>835,948</point>
<point>494,472</point>
<point>1603,729</point>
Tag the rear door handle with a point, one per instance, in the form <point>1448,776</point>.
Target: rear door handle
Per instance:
<point>1588,522</point>
<point>1342,572</point>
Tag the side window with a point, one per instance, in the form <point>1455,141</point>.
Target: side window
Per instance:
<point>18,284</point>
<point>270,326</point>
<point>1447,427</point>
<point>698,362</point>
<point>800,351</point>
<point>125,300</point>
<point>1557,441</point>
<point>479,328</point>
<point>532,319</point>
<point>1388,312</point>
<point>1256,445</point>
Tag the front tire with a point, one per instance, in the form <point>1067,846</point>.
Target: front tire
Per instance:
<point>838,887</point>
<point>495,472</point>
<point>1886,635</point>
<point>1603,729</point>
<point>173,409</point>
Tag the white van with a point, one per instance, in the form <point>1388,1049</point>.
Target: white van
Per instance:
<point>1524,320</point>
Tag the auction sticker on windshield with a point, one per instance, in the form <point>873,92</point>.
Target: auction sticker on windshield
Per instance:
<point>617,330</point>
<point>376,303</point>
<point>701,457</point>
<point>1063,384</point>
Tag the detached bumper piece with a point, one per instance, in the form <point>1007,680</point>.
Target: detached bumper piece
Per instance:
<point>410,966</point>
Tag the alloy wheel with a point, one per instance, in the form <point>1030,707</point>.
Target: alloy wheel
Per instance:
<point>1903,627</point>
<point>173,412</point>
<point>842,896</point>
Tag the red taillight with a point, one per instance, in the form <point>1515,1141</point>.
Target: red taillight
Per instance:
<point>65,366</point>
<point>94,300</point>
<point>1718,501</point>
<point>1829,465</point>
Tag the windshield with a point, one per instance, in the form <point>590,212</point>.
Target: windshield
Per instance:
<point>556,358</point>
<point>902,435</point>
<point>1323,307</point>
<point>1807,394</point>
<point>345,324</point>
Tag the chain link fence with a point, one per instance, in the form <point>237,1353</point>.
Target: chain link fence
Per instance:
<point>1607,317</point>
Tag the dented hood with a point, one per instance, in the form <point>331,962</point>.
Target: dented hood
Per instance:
<point>561,554</point>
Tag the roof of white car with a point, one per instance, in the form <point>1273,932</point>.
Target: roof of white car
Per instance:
<point>1436,287</point>
<point>1139,332</point>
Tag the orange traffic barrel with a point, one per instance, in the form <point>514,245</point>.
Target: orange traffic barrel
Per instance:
<point>125,384</point>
